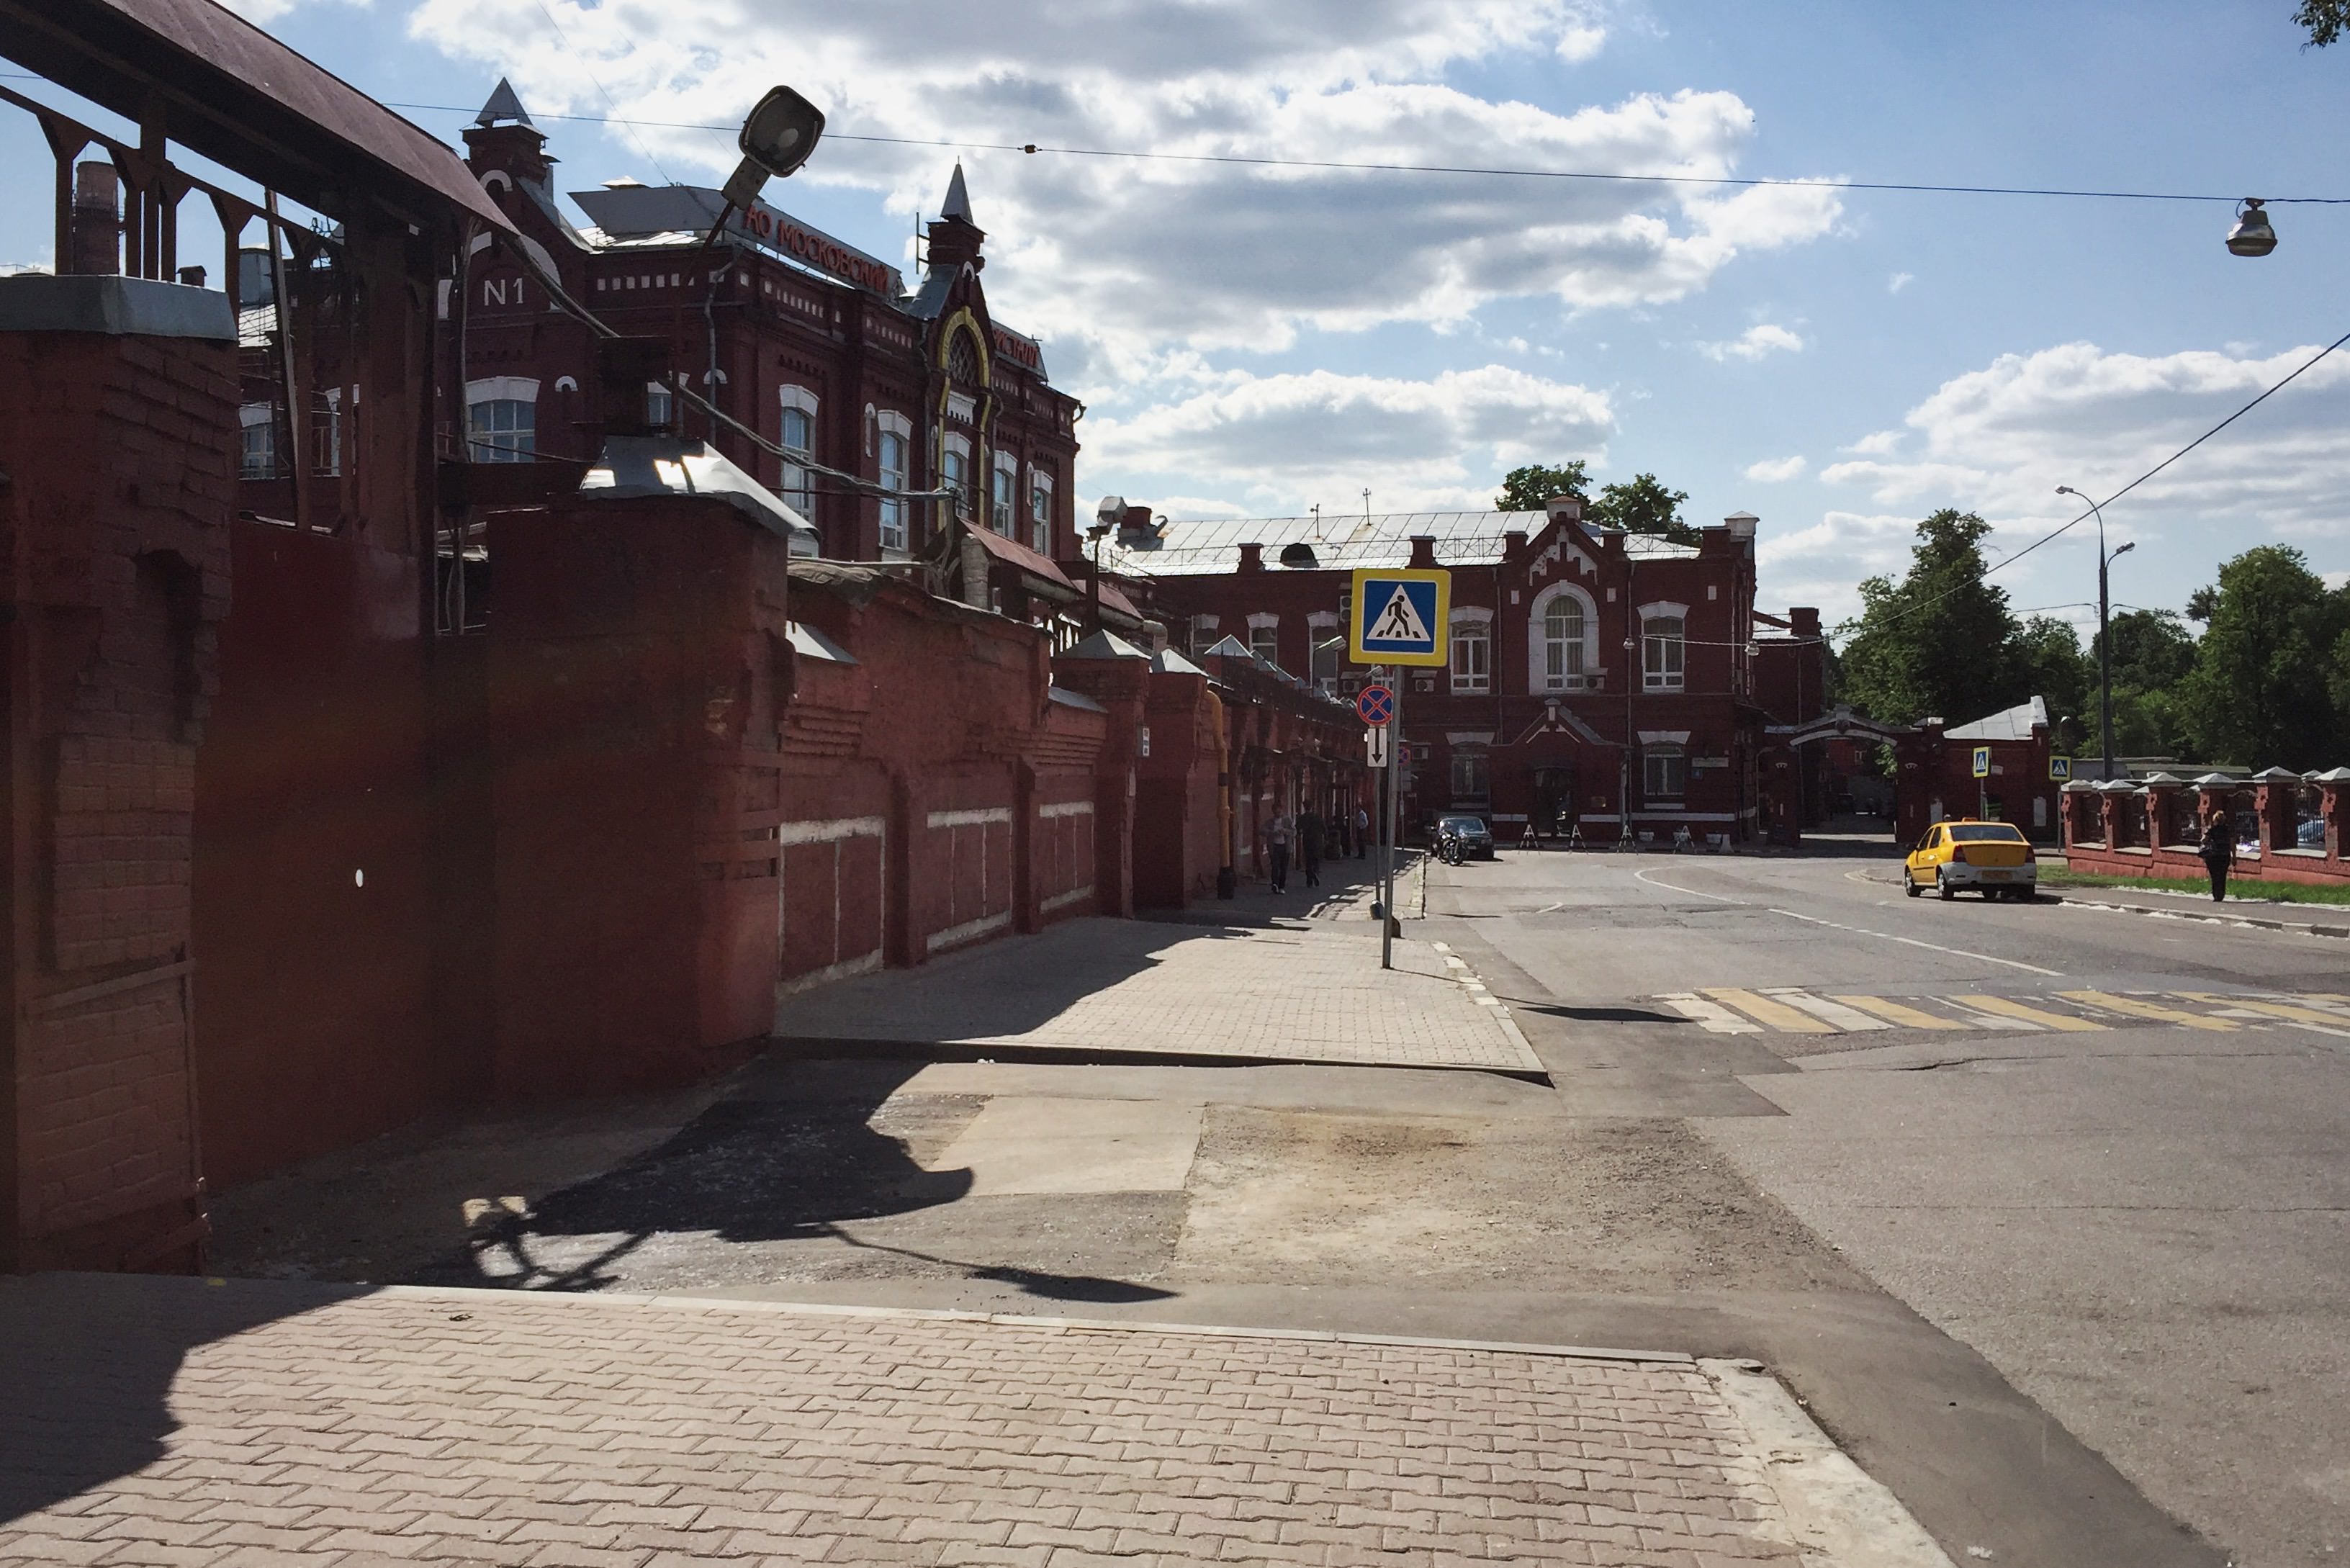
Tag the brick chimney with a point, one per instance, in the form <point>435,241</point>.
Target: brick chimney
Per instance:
<point>95,237</point>
<point>1253,556</point>
<point>1423,553</point>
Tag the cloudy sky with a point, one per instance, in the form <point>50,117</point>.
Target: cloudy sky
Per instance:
<point>1253,340</point>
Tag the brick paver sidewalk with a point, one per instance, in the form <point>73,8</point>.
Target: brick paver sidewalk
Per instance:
<point>158,1421</point>
<point>1303,992</point>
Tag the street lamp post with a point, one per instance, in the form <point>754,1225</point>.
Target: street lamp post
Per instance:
<point>2104,632</point>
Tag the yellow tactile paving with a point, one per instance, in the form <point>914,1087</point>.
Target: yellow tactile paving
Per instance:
<point>2006,1007</point>
<point>1895,1013</point>
<point>2273,1009</point>
<point>2135,1008</point>
<point>1777,1014</point>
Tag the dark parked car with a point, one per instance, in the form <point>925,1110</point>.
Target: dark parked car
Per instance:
<point>1471,837</point>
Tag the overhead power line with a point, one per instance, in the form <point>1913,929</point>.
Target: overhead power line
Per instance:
<point>1486,170</point>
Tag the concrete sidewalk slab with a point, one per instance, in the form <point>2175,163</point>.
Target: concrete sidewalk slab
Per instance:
<point>153,1420</point>
<point>1113,990</point>
<point>2267,914</point>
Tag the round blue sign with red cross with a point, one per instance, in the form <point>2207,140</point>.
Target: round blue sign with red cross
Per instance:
<point>1375,705</point>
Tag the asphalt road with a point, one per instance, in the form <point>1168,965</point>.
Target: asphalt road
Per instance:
<point>2105,1151</point>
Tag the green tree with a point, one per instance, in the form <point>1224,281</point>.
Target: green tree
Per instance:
<point>1527,489</point>
<point>2153,652</point>
<point>1642,505</point>
<point>2055,668</point>
<point>1941,641</point>
<point>2324,20</point>
<point>2259,692</point>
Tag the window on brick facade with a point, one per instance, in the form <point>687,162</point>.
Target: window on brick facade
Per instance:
<point>660,405</point>
<point>257,456</point>
<point>890,459</point>
<point>1664,771</point>
<point>1040,511</point>
<point>795,433</point>
<point>1472,655</point>
<point>1562,636</point>
<point>1471,777</point>
<point>1329,651</point>
<point>1204,634</point>
<point>1662,652</point>
<point>1002,494</point>
<point>1264,641</point>
<point>326,435</point>
<point>504,429</point>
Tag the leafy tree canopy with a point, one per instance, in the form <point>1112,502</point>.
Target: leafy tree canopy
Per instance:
<point>2260,694</point>
<point>1941,641</point>
<point>2152,650</point>
<point>1527,489</point>
<point>1642,505</point>
<point>2324,20</point>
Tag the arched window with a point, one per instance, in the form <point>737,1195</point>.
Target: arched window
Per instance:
<point>954,470</point>
<point>892,441</point>
<point>797,435</point>
<point>1561,641</point>
<point>1473,650</point>
<point>502,419</point>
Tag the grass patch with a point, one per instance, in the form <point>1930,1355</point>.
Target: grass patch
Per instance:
<point>2239,886</point>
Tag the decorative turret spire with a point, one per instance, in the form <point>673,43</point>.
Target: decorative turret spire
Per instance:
<point>954,239</point>
<point>504,105</point>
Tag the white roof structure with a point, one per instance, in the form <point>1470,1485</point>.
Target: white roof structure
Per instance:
<point>2015,724</point>
<point>1188,547</point>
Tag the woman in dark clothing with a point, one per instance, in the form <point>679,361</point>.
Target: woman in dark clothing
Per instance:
<point>2218,851</point>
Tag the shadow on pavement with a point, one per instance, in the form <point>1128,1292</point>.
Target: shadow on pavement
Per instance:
<point>86,1370</point>
<point>792,1156</point>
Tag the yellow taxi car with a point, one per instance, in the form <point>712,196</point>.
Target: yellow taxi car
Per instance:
<point>1993,858</point>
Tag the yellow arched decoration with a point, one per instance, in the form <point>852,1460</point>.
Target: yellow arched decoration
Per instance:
<point>983,452</point>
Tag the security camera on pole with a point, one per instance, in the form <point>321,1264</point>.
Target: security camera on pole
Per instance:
<point>1399,619</point>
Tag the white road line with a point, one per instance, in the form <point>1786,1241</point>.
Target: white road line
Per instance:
<point>1848,1018</point>
<point>1915,942</point>
<point>1692,892</point>
<point>1711,1016</point>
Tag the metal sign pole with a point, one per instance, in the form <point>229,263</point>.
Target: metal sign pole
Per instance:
<point>1395,789</point>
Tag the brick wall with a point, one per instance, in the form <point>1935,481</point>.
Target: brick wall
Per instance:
<point>119,454</point>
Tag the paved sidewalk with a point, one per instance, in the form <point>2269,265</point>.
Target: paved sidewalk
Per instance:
<point>160,1421</point>
<point>1296,992</point>
<point>2251,909</point>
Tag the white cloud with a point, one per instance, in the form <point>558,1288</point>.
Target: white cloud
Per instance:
<point>1777,470</point>
<point>1899,281</point>
<point>1292,440</point>
<point>261,12</point>
<point>1115,261</point>
<point>1580,42</point>
<point>1999,440</point>
<point>1823,565</point>
<point>1753,343</point>
<point>1876,444</point>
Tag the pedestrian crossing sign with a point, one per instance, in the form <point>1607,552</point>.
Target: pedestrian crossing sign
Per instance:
<point>1399,617</point>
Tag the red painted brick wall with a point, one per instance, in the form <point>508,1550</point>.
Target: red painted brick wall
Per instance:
<point>120,456</point>
<point>637,660</point>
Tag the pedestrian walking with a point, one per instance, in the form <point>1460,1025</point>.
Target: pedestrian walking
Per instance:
<point>1276,850</point>
<point>2219,850</point>
<point>1310,831</point>
<point>1362,833</point>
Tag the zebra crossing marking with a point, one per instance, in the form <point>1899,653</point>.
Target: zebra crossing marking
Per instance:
<point>2135,1008</point>
<point>1850,1020</point>
<point>2333,1024</point>
<point>1786,1020</point>
<point>1894,1012</point>
<point>1709,1016</point>
<point>2007,1007</point>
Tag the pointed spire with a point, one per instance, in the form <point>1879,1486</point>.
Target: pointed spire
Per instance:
<point>958,205</point>
<point>504,105</point>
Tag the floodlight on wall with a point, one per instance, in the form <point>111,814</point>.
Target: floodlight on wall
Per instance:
<point>777,139</point>
<point>2252,235</point>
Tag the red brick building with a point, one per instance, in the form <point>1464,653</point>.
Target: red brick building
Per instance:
<point>1597,678</point>
<point>823,350</point>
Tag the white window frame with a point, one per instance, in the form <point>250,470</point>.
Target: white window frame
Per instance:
<point>488,391</point>
<point>1268,623</point>
<point>1479,764</point>
<point>891,425</point>
<point>1674,755</point>
<point>257,442</point>
<point>1471,651</point>
<point>1583,652</point>
<point>1040,509</point>
<point>798,486</point>
<point>1204,634</point>
<point>954,469</point>
<point>1325,636</point>
<point>660,405</point>
<point>1664,658</point>
<point>1003,495</point>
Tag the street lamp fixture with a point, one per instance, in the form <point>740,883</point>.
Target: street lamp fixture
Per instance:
<point>777,139</point>
<point>2252,235</point>
<point>2105,628</point>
